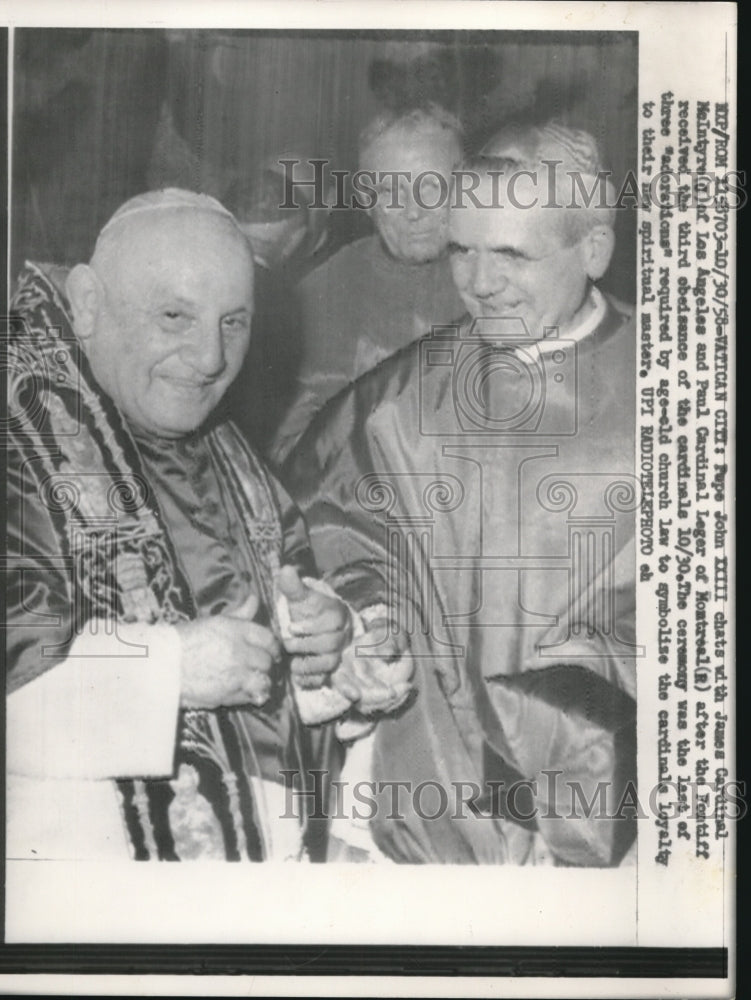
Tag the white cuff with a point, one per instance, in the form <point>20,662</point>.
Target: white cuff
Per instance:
<point>348,825</point>
<point>109,710</point>
<point>374,613</point>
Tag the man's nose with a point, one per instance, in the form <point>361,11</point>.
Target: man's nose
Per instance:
<point>205,350</point>
<point>413,209</point>
<point>486,279</point>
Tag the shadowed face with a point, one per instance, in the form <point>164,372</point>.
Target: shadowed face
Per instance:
<point>274,242</point>
<point>516,262</point>
<point>173,319</point>
<point>412,230</point>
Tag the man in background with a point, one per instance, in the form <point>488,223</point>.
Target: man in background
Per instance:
<point>287,243</point>
<point>379,293</point>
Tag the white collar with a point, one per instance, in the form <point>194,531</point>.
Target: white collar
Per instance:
<point>585,327</point>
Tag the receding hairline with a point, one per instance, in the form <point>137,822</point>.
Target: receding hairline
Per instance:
<point>576,219</point>
<point>422,122</point>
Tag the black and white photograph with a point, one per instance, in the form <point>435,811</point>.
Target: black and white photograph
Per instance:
<point>367,489</point>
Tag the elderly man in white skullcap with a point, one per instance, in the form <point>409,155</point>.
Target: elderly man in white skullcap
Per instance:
<point>480,484</point>
<point>167,640</point>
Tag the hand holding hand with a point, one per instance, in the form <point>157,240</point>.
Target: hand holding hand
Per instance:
<point>378,678</point>
<point>319,629</point>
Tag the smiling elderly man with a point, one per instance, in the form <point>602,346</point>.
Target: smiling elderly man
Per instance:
<point>160,636</point>
<point>387,289</point>
<point>480,484</point>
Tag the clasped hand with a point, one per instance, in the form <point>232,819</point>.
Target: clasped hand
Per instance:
<point>320,628</point>
<point>227,658</point>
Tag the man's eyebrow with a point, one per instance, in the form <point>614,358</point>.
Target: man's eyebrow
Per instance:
<point>505,248</point>
<point>163,297</point>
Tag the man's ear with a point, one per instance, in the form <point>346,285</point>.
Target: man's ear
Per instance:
<point>84,292</point>
<point>598,246</point>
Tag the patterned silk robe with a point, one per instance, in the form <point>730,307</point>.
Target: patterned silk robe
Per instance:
<point>125,532</point>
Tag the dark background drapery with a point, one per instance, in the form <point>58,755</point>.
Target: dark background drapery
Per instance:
<point>100,115</point>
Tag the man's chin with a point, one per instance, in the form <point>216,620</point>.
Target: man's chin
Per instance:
<point>176,424</point>
<point>173,432</point>
<point>490,310</point>
<point>414,250</point>
<point>421,254</point>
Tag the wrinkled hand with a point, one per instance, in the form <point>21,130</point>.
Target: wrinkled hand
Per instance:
<point>379,680</point>
<point>382,641</point>
<point>226,659</point>
<point>320,629</point>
